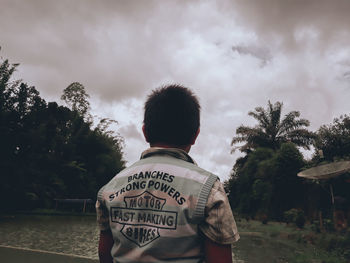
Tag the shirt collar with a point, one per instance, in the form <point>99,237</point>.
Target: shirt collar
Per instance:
<point>173,152</point>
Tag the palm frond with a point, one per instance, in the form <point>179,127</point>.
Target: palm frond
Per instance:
<point>271,131</point>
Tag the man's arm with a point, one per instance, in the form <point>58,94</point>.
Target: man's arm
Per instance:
<point>219,227</point>
<point>104,246</point>
<point>106,241</point>
<point>216,253</point>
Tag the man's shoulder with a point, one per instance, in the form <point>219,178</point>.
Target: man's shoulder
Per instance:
<point>166,161</point>
<point>163,164</point>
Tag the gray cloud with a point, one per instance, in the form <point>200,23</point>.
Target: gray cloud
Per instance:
<point>294,22</point>
<point>130,131</point>
<point>257,51</point>
<point>82,41</point>
<point>235,55</point>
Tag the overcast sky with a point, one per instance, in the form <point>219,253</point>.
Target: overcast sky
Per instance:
<point>235,55</point>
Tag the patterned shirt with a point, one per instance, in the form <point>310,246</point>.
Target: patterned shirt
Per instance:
<point>219,224</point>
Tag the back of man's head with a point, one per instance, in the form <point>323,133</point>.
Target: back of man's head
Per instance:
<point>171,116</point>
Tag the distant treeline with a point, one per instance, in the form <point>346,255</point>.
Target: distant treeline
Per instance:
<point>50,151</point>
<point>264,182</point>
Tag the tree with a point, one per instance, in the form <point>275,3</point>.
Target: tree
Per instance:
<point>265,181</point>
<point>50,151</point>
<point>77,99</point>
<point>8,124</point>
<point>247,181</point>
<point>18,104</point>
<point>271,131</point>
<point>334,139</point>
<point>267,184</point>
<point>6,71</point>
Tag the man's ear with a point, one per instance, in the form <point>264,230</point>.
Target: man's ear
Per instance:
<point>144,133</point>
<point>195,137</point>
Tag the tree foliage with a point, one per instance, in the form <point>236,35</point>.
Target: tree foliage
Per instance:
<point>77,99</point>
<point>50,151</point>
<point>266,183</point>
<point>272,130</point>
<point>334,139</point>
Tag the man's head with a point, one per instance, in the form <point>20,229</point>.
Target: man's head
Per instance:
<point>171,116</point>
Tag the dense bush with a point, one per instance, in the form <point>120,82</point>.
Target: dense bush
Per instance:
<point>296,216</point>
<point>49,151</point>
<point>266,182</point>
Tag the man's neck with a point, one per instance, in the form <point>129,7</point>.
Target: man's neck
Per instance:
<point>185,148</point>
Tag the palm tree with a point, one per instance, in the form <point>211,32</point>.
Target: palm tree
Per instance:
<point>271,131</point>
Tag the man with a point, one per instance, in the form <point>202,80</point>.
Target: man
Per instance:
<point>164,208</point>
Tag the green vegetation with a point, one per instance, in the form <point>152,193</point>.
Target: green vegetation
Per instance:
<point>279,242</point>
<point>272,130</point>
<point>50,151</point>
<point>334,140</point>
<point>264,186</point>
<point>264,183</point>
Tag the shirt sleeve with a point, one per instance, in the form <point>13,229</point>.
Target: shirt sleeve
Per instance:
<point>102,216</point>
<point>219,224</point>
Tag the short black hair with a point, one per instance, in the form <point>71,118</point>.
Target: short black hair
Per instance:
<point>172,114</point>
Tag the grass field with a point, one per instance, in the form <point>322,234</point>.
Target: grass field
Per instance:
<point>279,242</point>
<point>15,255</point>
<point>75,233</point>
